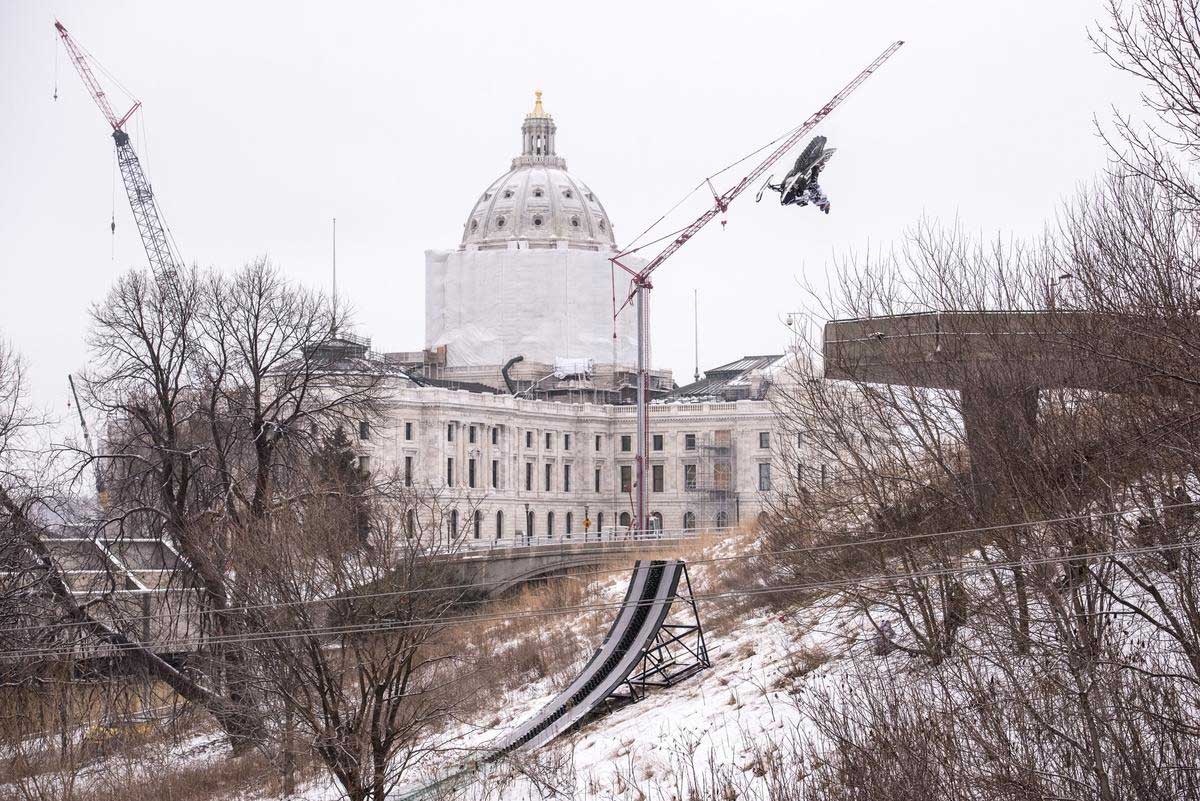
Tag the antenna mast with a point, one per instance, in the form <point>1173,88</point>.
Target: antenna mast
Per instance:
<point>696,325</point>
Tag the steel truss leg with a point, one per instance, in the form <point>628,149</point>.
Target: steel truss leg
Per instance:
<point>678,651</point>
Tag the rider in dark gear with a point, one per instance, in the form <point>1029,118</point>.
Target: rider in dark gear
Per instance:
<point>799,187</point>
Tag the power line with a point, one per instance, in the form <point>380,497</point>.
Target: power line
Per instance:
<point>831,546</point>
<point>374,628</point>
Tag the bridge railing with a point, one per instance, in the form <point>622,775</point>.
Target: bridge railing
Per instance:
<point>619,538</point>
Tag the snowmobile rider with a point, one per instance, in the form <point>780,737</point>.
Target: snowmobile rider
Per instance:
<point>799,187</point>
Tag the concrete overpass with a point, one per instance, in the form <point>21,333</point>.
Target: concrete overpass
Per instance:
<point>960,350</point>
<point>998,362</point>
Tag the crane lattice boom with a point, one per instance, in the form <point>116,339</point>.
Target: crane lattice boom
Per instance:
<point>722,201</point>
<point>137,186</point>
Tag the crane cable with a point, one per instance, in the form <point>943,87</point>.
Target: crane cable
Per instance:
<point>629,249</point>
<point>57,44</point>
<point>112,222</point>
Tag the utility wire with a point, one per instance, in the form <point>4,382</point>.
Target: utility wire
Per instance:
<point>830,546</point>
<point>375,628</point>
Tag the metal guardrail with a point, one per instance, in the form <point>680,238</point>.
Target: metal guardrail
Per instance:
<point>615,539</point>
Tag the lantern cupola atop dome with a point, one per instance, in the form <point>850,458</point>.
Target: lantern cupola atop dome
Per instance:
<point>537,138</point>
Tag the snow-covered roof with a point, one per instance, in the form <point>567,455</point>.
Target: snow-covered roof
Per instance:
<point>743,379</point>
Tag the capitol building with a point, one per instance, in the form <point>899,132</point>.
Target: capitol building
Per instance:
<point>518,415</point>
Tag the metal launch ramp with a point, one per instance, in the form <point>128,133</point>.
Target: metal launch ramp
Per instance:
<point>641,650</point>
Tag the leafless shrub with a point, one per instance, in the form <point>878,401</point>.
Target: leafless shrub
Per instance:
<point>1155,42</point>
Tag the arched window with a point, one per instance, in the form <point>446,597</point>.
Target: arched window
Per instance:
<point>549,524</point>
<point>478,523</point>
<point>529,524</point>
<point>410,523</point>
<point>626,520</point>
<point>569,521</point>
<point>599,524</point>
<point>656,522</point>
<point>453,522</point>
<point>689,521</point>
<point>722,520</point>
<point>499,525</point>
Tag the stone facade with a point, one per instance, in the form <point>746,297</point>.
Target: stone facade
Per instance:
<point>532,278</point>
<point>710,464</point>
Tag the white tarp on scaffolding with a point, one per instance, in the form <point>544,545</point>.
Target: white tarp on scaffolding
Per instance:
<point>543,303</point>
<point>573,368</point>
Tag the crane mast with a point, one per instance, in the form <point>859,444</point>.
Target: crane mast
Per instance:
<point>640,279</point>
<point>137,186</point>
<point>101,494</point>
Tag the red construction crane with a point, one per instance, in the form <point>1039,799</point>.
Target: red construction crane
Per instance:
<point>137,187</point>
<point>640,279</point>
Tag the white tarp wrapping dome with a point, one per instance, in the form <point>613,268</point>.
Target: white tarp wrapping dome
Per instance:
<point>532,275</point>
<point>487,306</point>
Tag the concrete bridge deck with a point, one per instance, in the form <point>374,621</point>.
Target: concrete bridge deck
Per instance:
<point>499,566</point>
<point>1041,349</point>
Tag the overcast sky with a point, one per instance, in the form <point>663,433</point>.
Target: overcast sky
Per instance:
<point>264,120</point>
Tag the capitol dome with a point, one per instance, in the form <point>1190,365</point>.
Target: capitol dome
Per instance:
<point>531,276</point>
<point>537,200</point>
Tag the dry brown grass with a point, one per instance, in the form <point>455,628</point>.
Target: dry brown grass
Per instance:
<point>527,640</point>
<point>223,778</point>
<point>801,661</point>
<point>533,640</point>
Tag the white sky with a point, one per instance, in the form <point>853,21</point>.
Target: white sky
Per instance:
<point>264,120</point>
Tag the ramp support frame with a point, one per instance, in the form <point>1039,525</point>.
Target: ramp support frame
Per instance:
<point>678,651</point>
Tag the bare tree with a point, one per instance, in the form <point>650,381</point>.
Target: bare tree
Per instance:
<point>366,678</point>
<point>212,391</point>
<point>1158,43</point>
<point>1022,510</point>
<point>945,444</point>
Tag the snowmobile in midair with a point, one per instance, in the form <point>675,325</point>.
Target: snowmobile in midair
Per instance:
<point>799,187</point>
